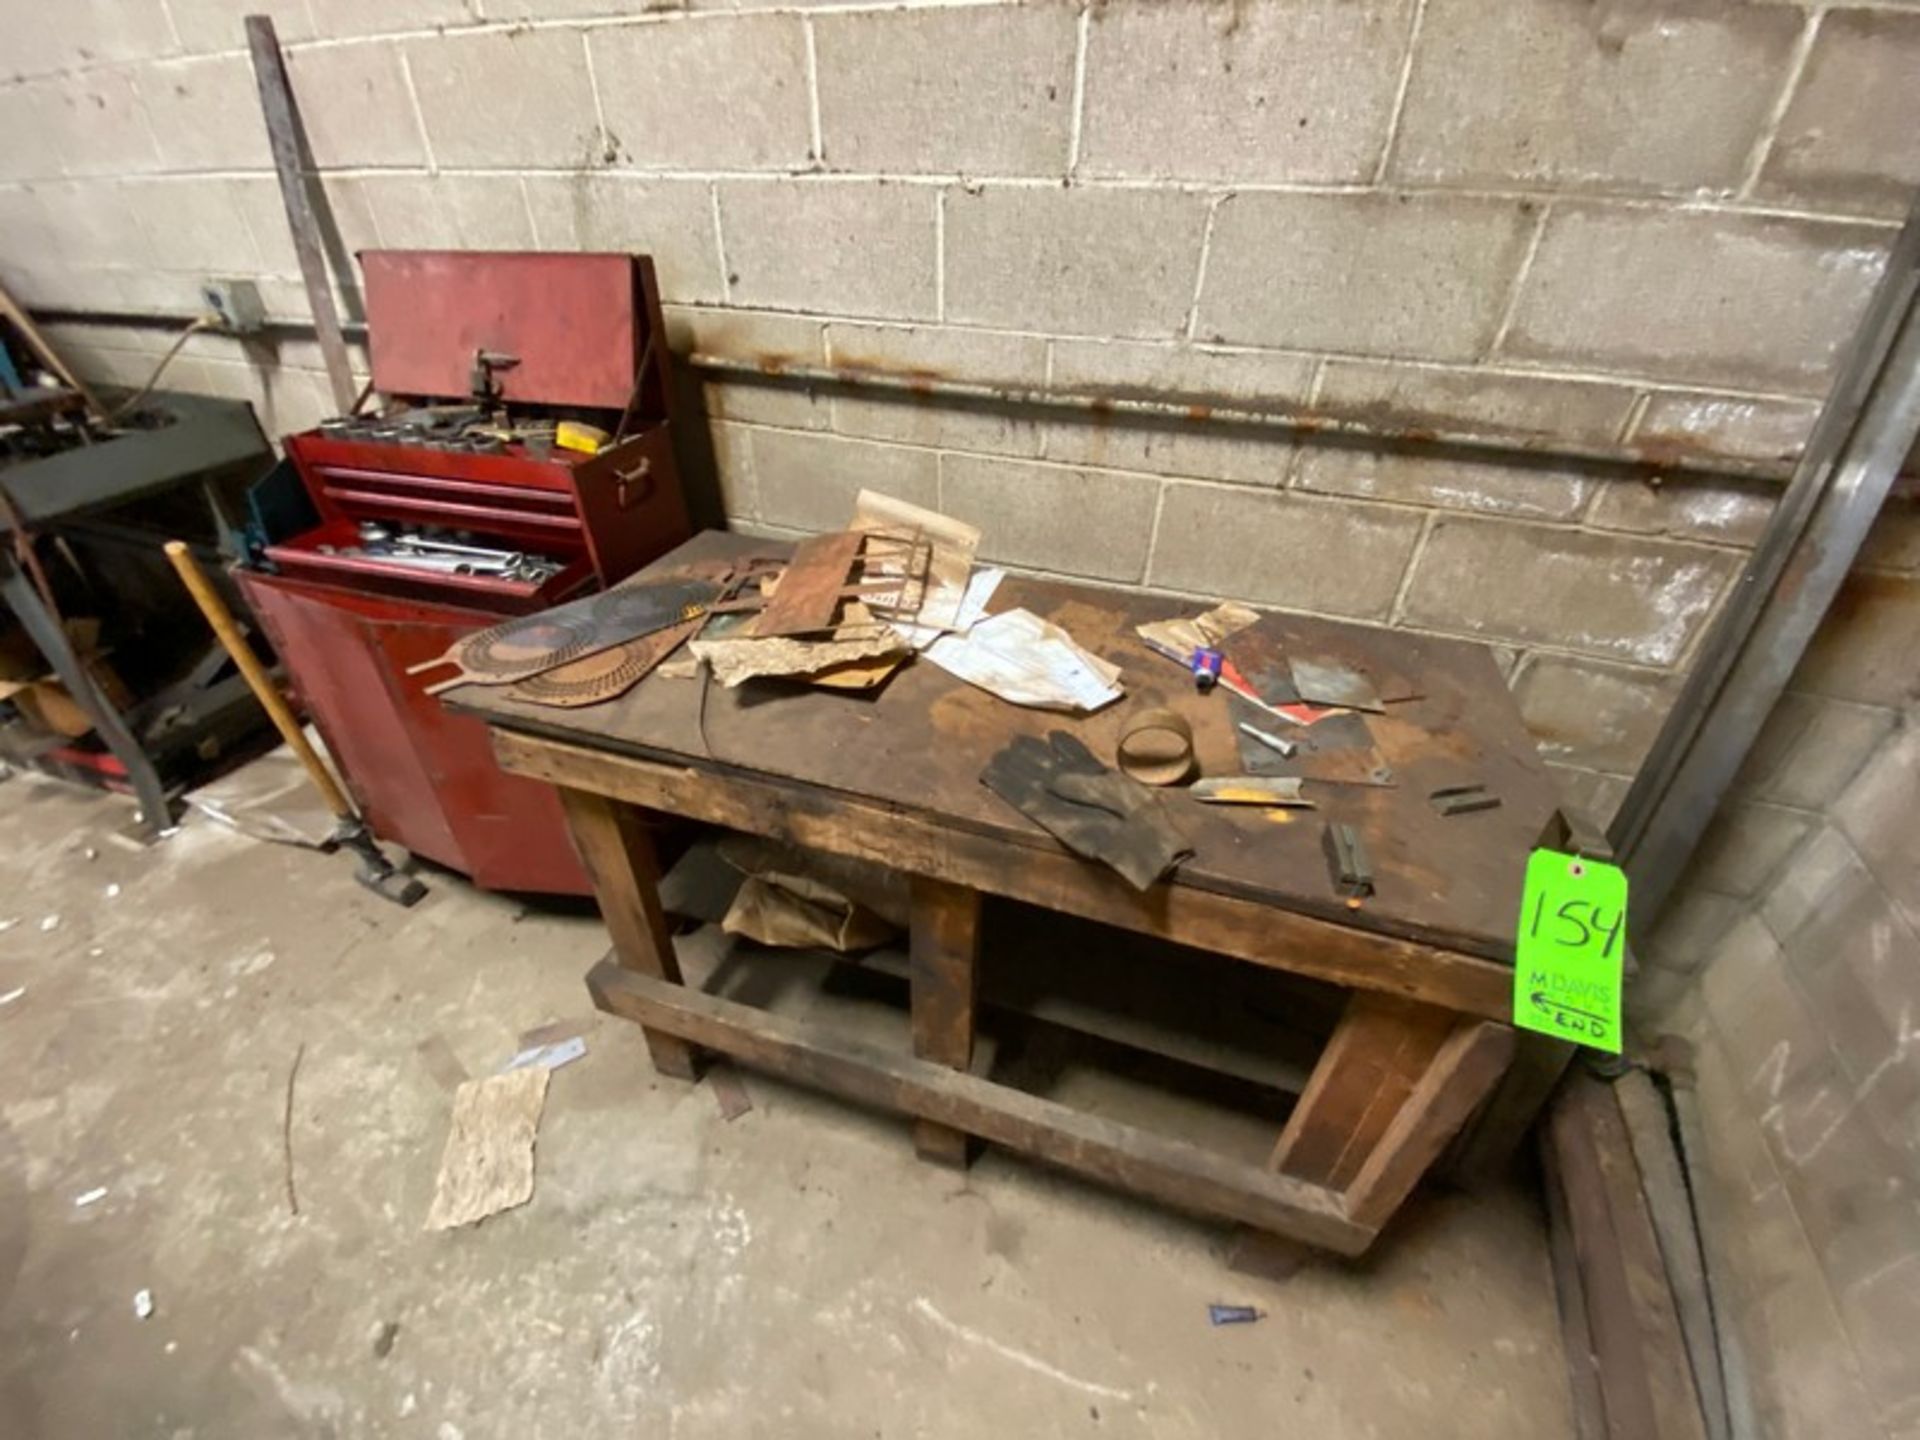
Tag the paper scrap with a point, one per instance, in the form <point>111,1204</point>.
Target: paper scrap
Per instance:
<point>99,1192</point>
<point>952,544</point>
<point>8,923</point>
<point>143,1303</point>
<point>549,1057</point>
<point>1178,639</point>
<point>736,658</point>
<point>800,912</point>
<point>737,661</point>
<point>487,1166</point>
<point>52,922</point>
<point>13,995</point>
<point>973,608</point>
<point>1028,661</point>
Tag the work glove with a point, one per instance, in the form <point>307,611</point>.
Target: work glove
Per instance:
<point>1092,810</point>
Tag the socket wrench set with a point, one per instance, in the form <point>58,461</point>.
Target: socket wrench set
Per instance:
<point>445,553</point>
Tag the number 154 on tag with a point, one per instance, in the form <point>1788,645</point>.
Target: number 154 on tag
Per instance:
<point>1570,949</point>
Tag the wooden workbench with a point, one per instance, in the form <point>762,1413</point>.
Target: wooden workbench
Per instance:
<point>894,778</point>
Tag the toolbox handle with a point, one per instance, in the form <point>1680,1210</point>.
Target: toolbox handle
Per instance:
<point>634,486</point>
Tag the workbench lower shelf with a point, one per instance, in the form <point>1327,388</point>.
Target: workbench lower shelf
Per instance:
<point>823,1057</point>
<point>1097,1079</point>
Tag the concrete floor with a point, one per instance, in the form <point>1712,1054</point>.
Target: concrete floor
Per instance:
<point>793,1273</point>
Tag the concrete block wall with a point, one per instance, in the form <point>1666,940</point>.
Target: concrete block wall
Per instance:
<point>1792,961</point>
<point>1645,222</point>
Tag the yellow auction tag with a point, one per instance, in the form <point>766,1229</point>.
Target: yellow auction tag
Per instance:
<point>1570,950</point>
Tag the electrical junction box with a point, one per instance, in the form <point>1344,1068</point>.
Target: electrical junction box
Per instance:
<point>235,304</point>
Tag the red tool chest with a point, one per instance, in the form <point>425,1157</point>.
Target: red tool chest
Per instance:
<point>453,508</point>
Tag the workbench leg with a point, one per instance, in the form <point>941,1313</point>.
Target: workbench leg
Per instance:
<point>1395,1083</point>
<point>618,854</point>
<point>945,983</point>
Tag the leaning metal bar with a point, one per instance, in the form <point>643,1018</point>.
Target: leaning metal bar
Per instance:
<point>45,632</point>
<point>1864,433</point>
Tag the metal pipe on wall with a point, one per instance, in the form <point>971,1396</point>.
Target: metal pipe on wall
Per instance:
<point>1630,461</point>
<point>1627,461</point>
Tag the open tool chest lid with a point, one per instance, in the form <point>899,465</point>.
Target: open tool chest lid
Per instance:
<point>563,329</point>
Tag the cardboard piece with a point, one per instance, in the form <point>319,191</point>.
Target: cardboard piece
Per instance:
<point>487,1166</point>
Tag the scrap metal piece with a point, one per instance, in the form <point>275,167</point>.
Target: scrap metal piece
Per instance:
<point>529,645</point>
<point>809,591</point>
<point>606,674</point>
<point>1347,859</point>
<point>1156,748</point>
<point>1232,1314</point>
<point>1280,790</point>
<point>1327,682</point>
<point>886,571</point>
<point>1463,799</point>
<point>1260,657</point>
<point>1336,732</point>
<point>1271,741</point>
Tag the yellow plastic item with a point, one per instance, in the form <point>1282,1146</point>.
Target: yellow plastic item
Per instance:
<point>587,439</point>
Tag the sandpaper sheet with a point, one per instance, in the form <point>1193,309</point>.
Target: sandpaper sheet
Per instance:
<point>487,1166</point>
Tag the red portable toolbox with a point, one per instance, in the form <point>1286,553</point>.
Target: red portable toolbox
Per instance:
<point>478,356</point>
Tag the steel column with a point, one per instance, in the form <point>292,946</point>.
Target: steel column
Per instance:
<point>1864,434</point>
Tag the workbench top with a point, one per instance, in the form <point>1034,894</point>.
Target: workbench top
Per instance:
<point>920,742</point>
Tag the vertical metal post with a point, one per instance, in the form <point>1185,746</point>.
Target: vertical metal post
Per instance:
<point>1864,433</point>
<point>291,156</point>
<point>45,632</point>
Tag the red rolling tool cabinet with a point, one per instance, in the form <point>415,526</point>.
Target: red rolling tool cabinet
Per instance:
<point>394,534</point>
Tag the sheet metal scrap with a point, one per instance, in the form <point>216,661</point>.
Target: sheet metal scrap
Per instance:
<point>887,573</point>
<point>1347,859</point>
<point>529,645</point>
<point>1451,800</point>
<point>606,675</point>
<point>1096,812</point>
<point>1322,681</point>
<point>1260,657</point>
<point>1274,790</point>
<point>1338,750</point>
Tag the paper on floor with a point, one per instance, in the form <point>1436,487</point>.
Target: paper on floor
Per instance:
<point>487,1166</point>
<point>1028,661</point>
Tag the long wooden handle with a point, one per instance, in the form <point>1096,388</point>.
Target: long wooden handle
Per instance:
<point>261,683</point>
<point>37,342</point>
